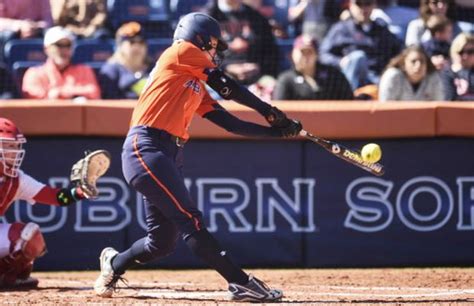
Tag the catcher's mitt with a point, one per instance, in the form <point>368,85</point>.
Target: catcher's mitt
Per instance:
<point>86,171</point>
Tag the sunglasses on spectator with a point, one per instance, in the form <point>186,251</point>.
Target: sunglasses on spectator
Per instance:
<point>362,3</point>
<point>63,45</point>
<point>135,40</point>
<point>467,51</point>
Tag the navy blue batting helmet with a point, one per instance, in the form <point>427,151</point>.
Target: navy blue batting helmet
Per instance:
<point>198,28</point>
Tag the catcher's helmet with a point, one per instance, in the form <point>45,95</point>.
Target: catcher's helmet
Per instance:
<point>11,152</point>
<point>198,28</point>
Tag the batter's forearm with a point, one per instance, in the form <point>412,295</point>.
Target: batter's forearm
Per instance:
<point>234,125</point>
<point>58,197</point>
<point>229,89</point>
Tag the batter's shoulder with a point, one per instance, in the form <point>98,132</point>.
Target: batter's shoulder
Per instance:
<point>189,54</point>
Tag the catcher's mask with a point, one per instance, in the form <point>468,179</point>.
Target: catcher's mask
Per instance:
<point>11,152</point>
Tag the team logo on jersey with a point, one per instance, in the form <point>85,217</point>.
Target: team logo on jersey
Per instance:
<point>194,85</point>
<point>225,91</point>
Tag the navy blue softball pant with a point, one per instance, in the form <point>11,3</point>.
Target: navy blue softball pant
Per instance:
<point>152,162</point>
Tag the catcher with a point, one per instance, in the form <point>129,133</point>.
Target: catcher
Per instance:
<point>21,244</point>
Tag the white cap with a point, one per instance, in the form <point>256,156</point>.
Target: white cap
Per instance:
<point>55,34</point>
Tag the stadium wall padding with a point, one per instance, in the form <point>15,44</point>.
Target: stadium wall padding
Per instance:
<point>272,203</point>
<point>336,120</point>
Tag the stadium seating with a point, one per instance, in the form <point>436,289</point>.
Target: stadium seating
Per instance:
<point>410,3</point>
<point>182,7</point>
<point>19,68</point>
<point>30,50</point>
<point>153,15</point>
<point>91,50</point>
<point>285,46</point>
<point>158,17</point>
<point>157,45</point>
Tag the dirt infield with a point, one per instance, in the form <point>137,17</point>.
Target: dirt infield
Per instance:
<point>311,286</point>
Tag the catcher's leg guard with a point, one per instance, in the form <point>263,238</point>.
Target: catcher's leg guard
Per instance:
<point>27,241</point>
<point>26,244</point>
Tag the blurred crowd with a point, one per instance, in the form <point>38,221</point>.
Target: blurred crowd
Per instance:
<point>386,50</point>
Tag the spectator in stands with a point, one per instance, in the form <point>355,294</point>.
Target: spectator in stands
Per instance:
<point>437,47</point>
<point>309,79</point>
<point>125,73</point>
<point>264,88</point>
<point>21,19</point>
<point>395,16</point>
<point>268,10</point>
<point>58,78</point>
<point>7,86</point>
<point>360,47</point>
<point>459,79</point>
<point>315,16</point>
<point>252,47</point>
<point>417,31</point>
<point>261,6</point>
<point>84,18</point>
<point>411,77</point>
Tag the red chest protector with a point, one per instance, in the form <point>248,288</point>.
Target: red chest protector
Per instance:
<point>8,189</point>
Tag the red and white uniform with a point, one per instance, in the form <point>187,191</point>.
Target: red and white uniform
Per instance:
<point>20,244</point>
<point>23,187</point>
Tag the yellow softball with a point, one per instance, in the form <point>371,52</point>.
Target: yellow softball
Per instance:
<point>371,153</point>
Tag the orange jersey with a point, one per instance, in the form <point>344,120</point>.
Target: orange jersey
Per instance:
<point>175,91</point>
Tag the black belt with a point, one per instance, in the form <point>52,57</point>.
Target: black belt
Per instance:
<point>162,134</point>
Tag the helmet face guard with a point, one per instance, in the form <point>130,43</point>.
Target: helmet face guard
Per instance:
<point>11,155</point>
<point>221,46</point>
<point>11,152</point>
<point>218,58</point>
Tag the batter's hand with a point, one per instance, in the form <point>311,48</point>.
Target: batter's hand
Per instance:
<point>292,129</point>
<point>277,118</point>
